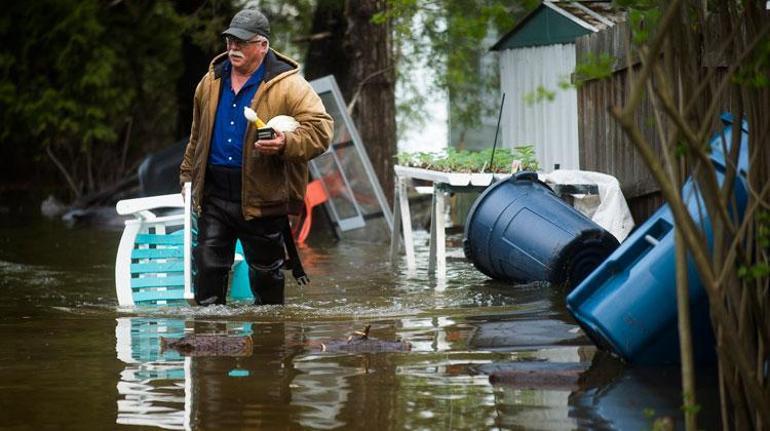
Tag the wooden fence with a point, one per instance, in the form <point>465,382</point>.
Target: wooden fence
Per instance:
<point>603,147</point>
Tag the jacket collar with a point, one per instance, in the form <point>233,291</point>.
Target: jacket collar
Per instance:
<point>217,65</point>
<point>275,65</point>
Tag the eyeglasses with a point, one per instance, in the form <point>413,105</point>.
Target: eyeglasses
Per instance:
<point>229,40</point>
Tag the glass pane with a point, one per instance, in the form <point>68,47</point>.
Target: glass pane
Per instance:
<point>376,230</point>
<point>335,186</point>
<point>353,172</point>
<point>351,163</point>
<point>341,133</point>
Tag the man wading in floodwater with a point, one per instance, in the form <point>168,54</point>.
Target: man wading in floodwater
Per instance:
<point>244,188</point>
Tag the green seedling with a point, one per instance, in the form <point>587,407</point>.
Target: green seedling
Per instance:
<point>465,161</point>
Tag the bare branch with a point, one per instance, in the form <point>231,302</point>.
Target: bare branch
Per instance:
<point>361,85</point>
<point>666,144</point>
<point>312,37</point>
<point>711,194</point>
<point>655,48</point>
<point>63,170</point>
<point>740,236</point>
<point>696,242</point>
<point>727,79</point>
<point>126,140</point>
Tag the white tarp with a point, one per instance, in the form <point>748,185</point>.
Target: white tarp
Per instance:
<point>609,209</point>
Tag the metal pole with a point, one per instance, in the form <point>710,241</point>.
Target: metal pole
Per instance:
<point>497,131</point>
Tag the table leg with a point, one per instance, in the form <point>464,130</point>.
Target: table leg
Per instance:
<point>395,233</point>
<point>437,256</point>
<point>406,222</point>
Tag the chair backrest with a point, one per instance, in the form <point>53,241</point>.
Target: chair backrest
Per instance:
<point>154,260</point>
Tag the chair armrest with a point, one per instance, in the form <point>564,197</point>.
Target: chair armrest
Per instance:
<point>131,206</point>
<point>140,205</point>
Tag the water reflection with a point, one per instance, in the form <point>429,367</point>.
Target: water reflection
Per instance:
<point>282,378</point>
<point>155,388</point>
<point>539,388</point>
<point>259,396</point>
<point>622,398</point>
<point>443,382</point>
<point>605,395</point>
<point>321,392</point>
<point>59,315</point>
<point>157,385</point>
<point>452,382</point>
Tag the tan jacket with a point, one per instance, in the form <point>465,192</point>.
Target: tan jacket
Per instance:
<point>275,184</point>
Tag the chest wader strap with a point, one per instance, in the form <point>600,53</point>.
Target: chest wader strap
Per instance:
<point>294,262</point>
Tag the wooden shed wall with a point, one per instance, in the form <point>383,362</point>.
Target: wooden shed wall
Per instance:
<point>603,146</point>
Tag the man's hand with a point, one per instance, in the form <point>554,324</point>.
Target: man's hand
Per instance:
<point>270,147</point>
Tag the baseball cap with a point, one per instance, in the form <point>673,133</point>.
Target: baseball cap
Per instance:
<point>248,23</point>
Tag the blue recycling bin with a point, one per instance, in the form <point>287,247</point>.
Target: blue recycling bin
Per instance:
<point>520,231</point>
<point>628,304</point>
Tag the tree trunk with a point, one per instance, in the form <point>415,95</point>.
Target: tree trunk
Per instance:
<point>326,53</point>
<point>373,100</point>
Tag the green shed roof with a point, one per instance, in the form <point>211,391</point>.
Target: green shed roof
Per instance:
<point>548,24</point>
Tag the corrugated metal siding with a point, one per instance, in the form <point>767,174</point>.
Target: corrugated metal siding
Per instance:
<point>551,126</point>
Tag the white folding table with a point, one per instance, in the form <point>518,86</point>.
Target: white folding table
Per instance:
<point>443,182</point>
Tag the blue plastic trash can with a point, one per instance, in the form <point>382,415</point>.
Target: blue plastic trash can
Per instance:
<point>628,304</point>
<point>518,230</point>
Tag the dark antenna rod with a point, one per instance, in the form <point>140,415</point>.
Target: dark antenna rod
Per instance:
<point>497,131</point>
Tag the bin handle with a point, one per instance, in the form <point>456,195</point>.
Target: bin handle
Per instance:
<point>636,250</point>
<point>525,176</point>
<point>530,176</point>
<point>652,240</point>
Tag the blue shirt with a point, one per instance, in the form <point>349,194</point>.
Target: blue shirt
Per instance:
<point>230,124</point>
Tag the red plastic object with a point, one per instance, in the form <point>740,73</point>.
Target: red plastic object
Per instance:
<point>315,195</point>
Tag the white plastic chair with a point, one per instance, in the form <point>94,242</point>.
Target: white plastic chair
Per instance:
<point>153,263</point>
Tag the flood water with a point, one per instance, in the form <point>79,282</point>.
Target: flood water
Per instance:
<point>70,358</point>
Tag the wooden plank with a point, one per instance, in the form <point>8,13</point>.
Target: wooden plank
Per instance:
<point>157,253</point>
<point>158,295</point>
<point>153,267</point>
<point>170,239</point>
<point>173,281</point>
<point>604,146</point>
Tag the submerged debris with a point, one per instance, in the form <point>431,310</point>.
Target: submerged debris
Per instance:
<point>208,345</point>
<point>540,375</point>
<point>596,369</point>
<point>360,342</point>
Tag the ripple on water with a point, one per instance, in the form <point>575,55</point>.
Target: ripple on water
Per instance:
<point>291,312</point>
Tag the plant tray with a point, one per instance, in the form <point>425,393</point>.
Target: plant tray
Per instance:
<point>455,179</point>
